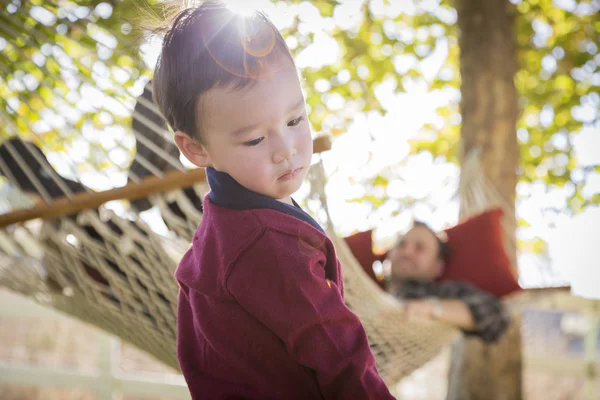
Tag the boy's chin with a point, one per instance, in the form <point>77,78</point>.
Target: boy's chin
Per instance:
<point>284,195</point>
<point>286,200</point>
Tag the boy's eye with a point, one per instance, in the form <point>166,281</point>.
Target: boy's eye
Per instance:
<point>254,142</point>
<point>296,121</point>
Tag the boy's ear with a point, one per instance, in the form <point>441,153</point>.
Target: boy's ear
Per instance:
<point>195,152</point>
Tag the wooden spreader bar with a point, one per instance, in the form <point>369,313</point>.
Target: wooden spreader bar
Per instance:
<point>149,186</point>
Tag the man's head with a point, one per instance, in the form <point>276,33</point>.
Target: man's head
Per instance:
<point>419,254</point>
<point>229,88</point>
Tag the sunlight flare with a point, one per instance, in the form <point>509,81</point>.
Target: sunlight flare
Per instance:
<point>241,7</point>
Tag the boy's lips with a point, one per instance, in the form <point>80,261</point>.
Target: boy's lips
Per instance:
<point>290,174</point>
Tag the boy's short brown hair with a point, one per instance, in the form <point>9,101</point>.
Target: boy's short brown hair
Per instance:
<point>209,46</point>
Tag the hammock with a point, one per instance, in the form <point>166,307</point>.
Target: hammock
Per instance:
<point>117,273</point>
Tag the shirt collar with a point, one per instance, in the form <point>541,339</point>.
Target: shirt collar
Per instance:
<point>228,193</point>
<point>409,285</point>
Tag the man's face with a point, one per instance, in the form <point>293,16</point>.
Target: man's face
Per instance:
<point>260,135</point>
<point>415,256</point>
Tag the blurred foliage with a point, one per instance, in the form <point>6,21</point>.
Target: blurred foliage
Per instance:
<point>55,53</point>
<point>559,76</point>
<point>558,79</point>
<point>67,69</point>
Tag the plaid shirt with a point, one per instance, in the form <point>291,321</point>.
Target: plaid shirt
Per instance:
<point>489,314</point>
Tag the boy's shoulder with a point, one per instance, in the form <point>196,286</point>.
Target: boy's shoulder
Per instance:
<point>225,237</point>
<point>221,220</point>
<point>233,232</point>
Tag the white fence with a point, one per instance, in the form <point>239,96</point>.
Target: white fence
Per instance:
<point>108,378</point>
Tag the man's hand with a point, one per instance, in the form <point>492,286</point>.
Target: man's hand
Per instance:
<point>453,312</point>
<point>418,309</point>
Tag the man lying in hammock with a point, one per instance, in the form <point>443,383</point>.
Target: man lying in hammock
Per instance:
<point>416,261</point>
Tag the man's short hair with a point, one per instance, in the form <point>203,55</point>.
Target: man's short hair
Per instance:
<point>211,46</point>
<point>444,251</point>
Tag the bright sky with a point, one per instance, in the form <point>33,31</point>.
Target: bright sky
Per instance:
<point>350,160</point>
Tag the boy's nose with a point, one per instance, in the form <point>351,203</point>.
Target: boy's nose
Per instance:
<point>283,155</point>
<point>285,150</point>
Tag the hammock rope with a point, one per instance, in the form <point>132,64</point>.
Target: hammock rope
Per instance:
<point>477,195</point>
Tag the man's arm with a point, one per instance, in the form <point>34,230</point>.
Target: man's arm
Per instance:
<point>282,282</point>
<point>490,316</point>
<point>451,312</point>
<point>471,309</point>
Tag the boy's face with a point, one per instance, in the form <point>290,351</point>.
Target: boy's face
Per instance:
<point>259,135</point>
<point>415,256</point>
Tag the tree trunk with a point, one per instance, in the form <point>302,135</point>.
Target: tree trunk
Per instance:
<point>489,101</point>
<point>489,108</point>
<point>481,371</point>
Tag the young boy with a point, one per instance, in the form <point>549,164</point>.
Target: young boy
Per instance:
<point>261,310</point>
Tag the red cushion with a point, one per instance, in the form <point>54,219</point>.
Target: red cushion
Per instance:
<point>478,254</point>
<point>361,245</point>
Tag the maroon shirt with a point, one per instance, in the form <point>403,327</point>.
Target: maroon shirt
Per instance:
<point>261,312</point>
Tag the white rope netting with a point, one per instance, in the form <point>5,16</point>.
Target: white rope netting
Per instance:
<point>477,195</point>
<point>115,273</point>
<point>105,270</point>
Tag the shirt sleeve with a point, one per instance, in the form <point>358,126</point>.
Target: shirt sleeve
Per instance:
<point>281,280</point>
<point>489,314</point>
